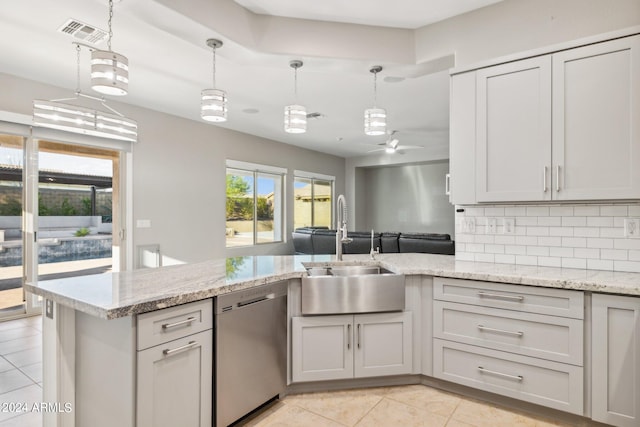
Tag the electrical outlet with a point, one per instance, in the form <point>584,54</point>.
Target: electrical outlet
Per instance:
<point>508,226</point>
<point>632,228</point>
<point>469,225</point>
<point>492,226</point>
<point>48,308</point>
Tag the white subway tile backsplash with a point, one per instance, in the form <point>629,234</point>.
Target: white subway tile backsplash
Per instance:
<point>631,266</point>
<point>600,264</point>
<point>600,243</point>
<point>586,232</point>
<point>561,252</point>
<point>586,211</point>
<point>600,221</point>
<point>614,210</point>
<point>505,259</point>
<point>561,231</point>
<point>550,241</point>
<point>569,235</point>
<point>574,221</point>
<point>586,253</point>
<point>537,211</point>
<point>614,254</point>
<point>561,211</point>
<point>554,221</point>
<point>545,261</point>
<point>526,260</point>
<point>574,263</point>
<point>574,242</point>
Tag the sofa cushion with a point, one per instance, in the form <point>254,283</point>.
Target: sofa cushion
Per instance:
<point>361,243</point>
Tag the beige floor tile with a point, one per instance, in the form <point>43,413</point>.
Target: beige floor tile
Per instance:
<point>31,419</point>
<point>29,395</point>
<point>456,423</point>
<point>5,365</point>
<point>392,413</point>
<point>485,415</point>
<point>20,344</point>
<point>346,407</point>
<point>294,416</point>
<point>33,371</point>
<point>427,398</point>
<point>13,380</point>
<point>25,357</point>
<point>15,333</point>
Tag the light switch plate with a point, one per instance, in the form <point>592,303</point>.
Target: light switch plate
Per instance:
<point>632,228</point>
<point>48,308</point>
<point>492,226</point>
<point>508,226</point>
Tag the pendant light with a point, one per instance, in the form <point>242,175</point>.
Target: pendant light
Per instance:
<point>55,114</point>
<point>213,105</point>
<point>375,119</point>
<point>295,115</point>
<point>109,70</point>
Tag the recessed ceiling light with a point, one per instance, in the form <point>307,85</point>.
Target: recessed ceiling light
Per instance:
<point>392,79</point>
<point>251,110</point>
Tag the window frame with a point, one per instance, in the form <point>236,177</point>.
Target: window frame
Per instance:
<point>315,177</point>
<point>256,170</point>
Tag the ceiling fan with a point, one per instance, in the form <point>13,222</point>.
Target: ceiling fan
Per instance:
<point>392,145</point>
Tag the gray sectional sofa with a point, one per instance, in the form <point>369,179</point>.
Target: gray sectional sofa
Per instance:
<point>321,240</point>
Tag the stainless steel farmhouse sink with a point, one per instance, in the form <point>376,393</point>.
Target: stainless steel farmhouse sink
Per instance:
<point>340,289</point>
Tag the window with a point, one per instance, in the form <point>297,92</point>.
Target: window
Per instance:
<point>254,204</point>
<point>313,200</point>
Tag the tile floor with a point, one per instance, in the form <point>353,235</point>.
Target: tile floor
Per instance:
<point>405,406</point>
<point>20,370</point>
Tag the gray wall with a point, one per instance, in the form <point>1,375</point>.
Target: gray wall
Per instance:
<point>407,198</point>
<point>514,26</point>
<point>179,174</point>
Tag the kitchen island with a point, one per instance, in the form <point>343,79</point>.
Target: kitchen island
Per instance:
<point>101,313</point>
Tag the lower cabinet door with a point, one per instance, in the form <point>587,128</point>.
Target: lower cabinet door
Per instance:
<point>615,391</point>
<point>552,384</point>
<point>175,382</point>
<point>321,348</point>
<point>383,344</point>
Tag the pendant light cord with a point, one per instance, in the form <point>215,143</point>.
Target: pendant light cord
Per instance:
<point>295,84</point>
<point>214,68</point>
<point>109,23</point>
<point>375,89</point>
<point>77,68</point>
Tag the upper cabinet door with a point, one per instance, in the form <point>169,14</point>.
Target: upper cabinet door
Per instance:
<point>513,158</point>
<point>596,121</point>
<point>462,139</point>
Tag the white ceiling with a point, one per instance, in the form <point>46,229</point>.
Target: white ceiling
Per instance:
<point>170,63</point>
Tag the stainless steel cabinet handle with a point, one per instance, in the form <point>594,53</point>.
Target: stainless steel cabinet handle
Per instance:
<point>168,352</point>
<point>500,331</point>
<point>500,296</point>
<point>500,374</point>
<point>557,178</point>
<point>348,336</point>
<point>358,335</point>
<point>544,180</point>
<point>447,184</point>
<point>182,322</point>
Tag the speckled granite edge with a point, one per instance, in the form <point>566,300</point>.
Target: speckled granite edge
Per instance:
<point>123,294</point>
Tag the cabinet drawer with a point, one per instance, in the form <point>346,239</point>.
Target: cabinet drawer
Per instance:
<point>548,337</point>
<point>161,326</point>
<point>551,384</point>
<point>556,302</point>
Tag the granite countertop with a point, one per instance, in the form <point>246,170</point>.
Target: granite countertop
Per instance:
<point>113,295</point>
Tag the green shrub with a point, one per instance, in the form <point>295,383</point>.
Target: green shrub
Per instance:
<point>84,231</point>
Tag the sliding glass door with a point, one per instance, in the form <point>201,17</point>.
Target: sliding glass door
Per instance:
<point>60,215</point>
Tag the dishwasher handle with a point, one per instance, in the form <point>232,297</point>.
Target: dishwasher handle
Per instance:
<point>242,304</point>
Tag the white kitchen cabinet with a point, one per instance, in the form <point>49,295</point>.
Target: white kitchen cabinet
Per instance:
<point>596,125</point>
<point>561,126</point>
<point>519,341</point>
<point>351,346</point>
<point>615,352</point>
<point>462,136</point>
<point>513,134</point>
<point>175,374</point>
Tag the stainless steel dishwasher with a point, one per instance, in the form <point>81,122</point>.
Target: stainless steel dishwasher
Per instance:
<point>250,350</point>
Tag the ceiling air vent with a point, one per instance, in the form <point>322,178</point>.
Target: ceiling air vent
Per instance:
<point>83,32</point>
